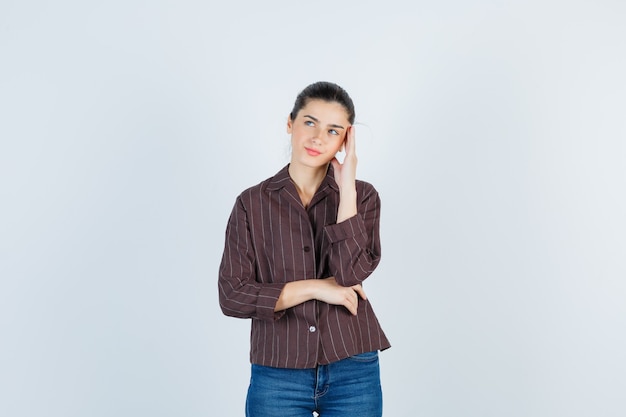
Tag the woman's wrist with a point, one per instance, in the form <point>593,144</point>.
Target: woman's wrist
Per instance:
<point>347,205</point>
<point>296,292</point>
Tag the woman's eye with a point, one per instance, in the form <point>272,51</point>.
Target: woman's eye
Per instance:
<point>333,132</point>
<point>309,123</point>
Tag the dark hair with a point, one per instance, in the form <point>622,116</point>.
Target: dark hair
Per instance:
<point>327,91</point>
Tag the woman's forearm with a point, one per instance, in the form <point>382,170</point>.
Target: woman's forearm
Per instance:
<point>347,205</point>
<point>294,293</point>
<point>326,290</point>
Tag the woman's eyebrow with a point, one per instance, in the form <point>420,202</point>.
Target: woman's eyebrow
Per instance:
<point>331,125</point>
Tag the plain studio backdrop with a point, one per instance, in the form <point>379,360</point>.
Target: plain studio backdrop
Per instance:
<point>494,131</point>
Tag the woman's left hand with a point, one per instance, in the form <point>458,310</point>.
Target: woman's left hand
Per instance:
<point>345,174</point>
<point>345,177</point>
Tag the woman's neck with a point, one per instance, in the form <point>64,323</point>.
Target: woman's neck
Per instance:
<point>307,180</point>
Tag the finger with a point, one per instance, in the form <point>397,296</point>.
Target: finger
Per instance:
<point>350,140</point>
<point>352,303</point>
<point>353,307</point>
<point>359,290</point>
<point>348,305</point>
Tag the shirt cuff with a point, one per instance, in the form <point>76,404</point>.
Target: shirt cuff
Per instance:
<point>266,302</point>
<point>348,228</point>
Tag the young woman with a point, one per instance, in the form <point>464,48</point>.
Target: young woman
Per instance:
<point>298,247</point>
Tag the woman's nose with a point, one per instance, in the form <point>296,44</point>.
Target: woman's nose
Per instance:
<point>317,137</point>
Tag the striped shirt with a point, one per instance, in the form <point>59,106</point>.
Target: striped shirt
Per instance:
<point>272,239</point>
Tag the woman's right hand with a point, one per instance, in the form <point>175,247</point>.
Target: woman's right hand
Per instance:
<point>330,292</point>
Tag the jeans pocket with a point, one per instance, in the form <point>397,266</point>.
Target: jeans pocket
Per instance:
<point>365,357</point>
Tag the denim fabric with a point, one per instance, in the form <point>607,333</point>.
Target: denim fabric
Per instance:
<point>349,387</point>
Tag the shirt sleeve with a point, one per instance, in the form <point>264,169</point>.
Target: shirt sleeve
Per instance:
<point>240,294</point>
<point>355,242</point>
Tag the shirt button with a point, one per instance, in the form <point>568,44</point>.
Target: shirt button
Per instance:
<point>312,329</point>
<point>307,249</point>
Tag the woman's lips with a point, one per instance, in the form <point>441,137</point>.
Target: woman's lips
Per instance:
<point>312,152</point>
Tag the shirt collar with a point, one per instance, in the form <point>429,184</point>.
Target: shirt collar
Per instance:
<point>282,179</point>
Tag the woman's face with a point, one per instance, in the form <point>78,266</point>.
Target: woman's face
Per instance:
<point>317,133</point>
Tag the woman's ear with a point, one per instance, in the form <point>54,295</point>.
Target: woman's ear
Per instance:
<point>289,125</point>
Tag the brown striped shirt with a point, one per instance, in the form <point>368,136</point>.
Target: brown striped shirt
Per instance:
<point>271,239</point>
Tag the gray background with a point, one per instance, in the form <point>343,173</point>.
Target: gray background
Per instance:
<point>494,132</point>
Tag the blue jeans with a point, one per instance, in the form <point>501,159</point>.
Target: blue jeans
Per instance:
<point>349,387</point>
